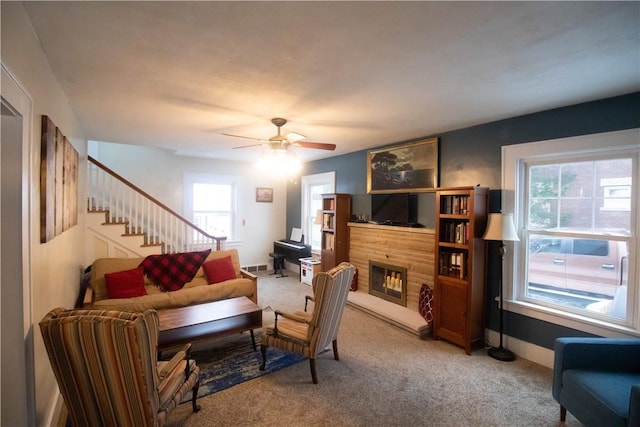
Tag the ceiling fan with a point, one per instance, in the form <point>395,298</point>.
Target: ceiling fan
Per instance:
<point>281,142</point>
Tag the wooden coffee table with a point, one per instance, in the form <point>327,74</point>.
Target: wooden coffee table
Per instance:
<point>200,322</point>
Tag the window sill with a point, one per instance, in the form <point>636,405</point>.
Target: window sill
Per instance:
<point>581,323</point>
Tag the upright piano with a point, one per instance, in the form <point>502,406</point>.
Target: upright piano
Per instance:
<point>292,250</point>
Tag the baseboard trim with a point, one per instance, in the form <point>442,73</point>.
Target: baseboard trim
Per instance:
<point>534,353</point>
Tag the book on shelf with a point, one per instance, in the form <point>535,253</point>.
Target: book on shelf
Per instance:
<point>452,264</point>
<point>455,232</point>
<point>459,235</point>
<point>328,241</point>
<point>328,220</point>
<point>457,205</point>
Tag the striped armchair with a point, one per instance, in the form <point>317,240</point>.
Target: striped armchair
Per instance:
<point>310,333</point>
<point>106,366</point>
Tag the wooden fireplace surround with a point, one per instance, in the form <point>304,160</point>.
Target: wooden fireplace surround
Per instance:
<point>411,248</point>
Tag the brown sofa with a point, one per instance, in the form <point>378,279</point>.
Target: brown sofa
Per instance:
<point>197,291</point>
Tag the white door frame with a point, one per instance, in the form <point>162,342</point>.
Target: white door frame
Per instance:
<point>19,104</point>
<point>307,182</point>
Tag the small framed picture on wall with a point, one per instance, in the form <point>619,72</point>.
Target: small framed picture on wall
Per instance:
<point>264,195</point>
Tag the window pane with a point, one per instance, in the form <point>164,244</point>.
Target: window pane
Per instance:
<point>591,247</point>
<point>590,196</point>
<point>212,197</point>
<point>584,274</point>
<point>576,180</point>
<point>545,244</point>
<point>212,208</point>
<point>543,213</point>
<point>215,224</point>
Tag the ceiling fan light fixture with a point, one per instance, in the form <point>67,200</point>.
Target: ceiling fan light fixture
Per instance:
<point>279,162</point>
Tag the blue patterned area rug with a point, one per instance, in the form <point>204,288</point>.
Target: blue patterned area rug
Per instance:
<point>232,360</point>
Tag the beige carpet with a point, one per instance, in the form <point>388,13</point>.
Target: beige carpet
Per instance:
<point>386,377</point>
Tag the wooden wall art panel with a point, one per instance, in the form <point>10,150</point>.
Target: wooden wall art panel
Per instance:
<point>70,186</point>
<point>58,182</point>
<point>59,189</point>
<point>47,180</point>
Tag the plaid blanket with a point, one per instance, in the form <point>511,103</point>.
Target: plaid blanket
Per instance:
<point>171,271</point>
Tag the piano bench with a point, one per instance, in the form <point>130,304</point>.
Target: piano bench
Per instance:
<point>278,263</point>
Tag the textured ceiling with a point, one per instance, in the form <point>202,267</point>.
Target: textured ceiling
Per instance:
<point>176,75</point>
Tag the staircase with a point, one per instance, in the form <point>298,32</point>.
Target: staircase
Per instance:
<point>124,221</point>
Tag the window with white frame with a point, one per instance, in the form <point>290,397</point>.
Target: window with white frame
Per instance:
<point>211,201</point>
<point>575,204</point>
<point>313,187</point>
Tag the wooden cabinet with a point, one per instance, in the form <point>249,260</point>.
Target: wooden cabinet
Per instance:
<point>461,216</point>
<point>336,210</point>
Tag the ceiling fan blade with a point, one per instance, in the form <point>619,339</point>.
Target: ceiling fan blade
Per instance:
<point>279,142</point>
<point>317,145</point>
<point>247,146</point>
<point>295,137</point>
<point>240,136</point>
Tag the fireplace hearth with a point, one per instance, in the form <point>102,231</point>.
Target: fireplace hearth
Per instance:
<point>388,282</point>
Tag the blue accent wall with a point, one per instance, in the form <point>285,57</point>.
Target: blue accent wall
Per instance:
<point>472,156</point>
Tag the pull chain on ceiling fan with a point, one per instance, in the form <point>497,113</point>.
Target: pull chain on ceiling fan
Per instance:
<point>281,142</point>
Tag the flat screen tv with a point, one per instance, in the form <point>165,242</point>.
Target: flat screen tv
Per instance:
<point>394,209</point>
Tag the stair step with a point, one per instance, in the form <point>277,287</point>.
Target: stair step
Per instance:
<point>126,223</point>
<point>148,245</point>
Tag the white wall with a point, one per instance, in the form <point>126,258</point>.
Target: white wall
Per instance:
<point>160,173</point>
<point>55,266</point>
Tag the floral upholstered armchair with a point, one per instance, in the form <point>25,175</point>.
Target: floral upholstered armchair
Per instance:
<point>105,363</point>
<point>308,333</point>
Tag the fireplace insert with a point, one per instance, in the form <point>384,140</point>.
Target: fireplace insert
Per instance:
<point>388,282</point>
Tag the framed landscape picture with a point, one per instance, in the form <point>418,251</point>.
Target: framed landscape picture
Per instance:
<point>406,168</point>
<point>264,195</point>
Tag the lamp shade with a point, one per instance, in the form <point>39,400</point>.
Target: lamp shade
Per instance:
<point>501,227</point>
<point>318,219</point>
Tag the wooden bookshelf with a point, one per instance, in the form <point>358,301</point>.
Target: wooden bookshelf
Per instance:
<point>461,216</point>
<point>336,210</point>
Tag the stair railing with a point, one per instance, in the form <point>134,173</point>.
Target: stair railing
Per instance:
<point>125,203</point>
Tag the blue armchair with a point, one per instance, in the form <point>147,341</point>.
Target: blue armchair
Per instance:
<point>598,380</point>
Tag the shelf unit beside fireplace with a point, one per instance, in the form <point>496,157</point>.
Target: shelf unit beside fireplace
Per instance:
<point>461,215</point>
<point>336,209</point>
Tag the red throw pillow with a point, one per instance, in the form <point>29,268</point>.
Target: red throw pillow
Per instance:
<point>126,284</point>
<point>219,270</point>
